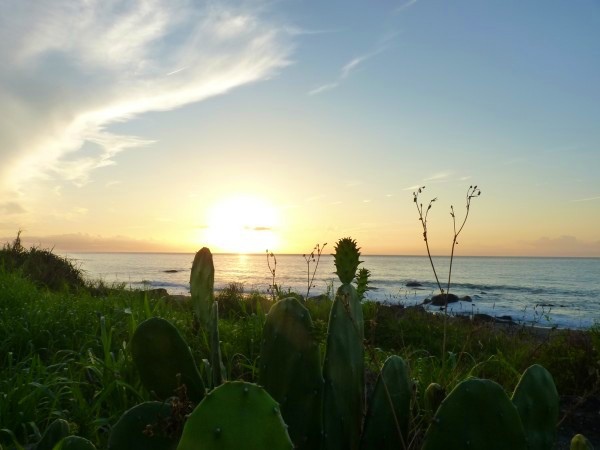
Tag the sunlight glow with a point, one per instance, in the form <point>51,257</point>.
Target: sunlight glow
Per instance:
<point>242,224</point>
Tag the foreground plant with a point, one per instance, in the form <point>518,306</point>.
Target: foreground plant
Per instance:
<point>311,258</point>
<point>472,193</point>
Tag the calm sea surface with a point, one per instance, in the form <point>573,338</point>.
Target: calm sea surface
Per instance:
<point>563,292</point>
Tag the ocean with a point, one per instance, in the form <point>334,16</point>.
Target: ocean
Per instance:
<point>561,292</point>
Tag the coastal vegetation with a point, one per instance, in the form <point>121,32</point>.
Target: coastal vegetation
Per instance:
<point>69,362</point>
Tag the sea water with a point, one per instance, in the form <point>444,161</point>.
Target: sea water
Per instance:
<point>561,292</point>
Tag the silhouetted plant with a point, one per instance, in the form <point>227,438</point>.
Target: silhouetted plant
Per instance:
<point>273,288</point>
<point>311,258</point>
<point>472,192</point>
<point>41,266</point>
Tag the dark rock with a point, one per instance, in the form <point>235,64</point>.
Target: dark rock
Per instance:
<point>466,298</point>
<point>413,284</point>
<point>156,293</point>
<point>507,318</point>
<point>483,318</point>
<point>441,299</point>
<point>171,271</point>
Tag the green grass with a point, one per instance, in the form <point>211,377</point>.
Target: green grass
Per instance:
<point>65,353</point>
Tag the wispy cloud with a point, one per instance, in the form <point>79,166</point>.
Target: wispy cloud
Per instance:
<point>82,66</point>
<point>405,5</point>
<point>347,69</point>
<point>587,199</point>
<point>438,177</point>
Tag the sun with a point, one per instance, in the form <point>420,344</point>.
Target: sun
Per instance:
<point>242,224</point>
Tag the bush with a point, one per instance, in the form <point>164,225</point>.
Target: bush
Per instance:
<point>41,266</point>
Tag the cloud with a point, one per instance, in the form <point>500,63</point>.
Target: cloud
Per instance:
<point>404,6</point>
<point>588,199</point>
<point>439,177</point>
<point>82,66</point>
<point>10,208</point>
<point>563,246</point>
<point>350,67</point>
<point>80,242</point>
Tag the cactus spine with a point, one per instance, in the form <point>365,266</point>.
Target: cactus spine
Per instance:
<point>236,415</point>
<point>290,370</point>
<point>536,400</point>
<point>202,282</point>
<point>386,424</point>
<point>164,360</point>
<point>343,370</point>
<point>476,415</point>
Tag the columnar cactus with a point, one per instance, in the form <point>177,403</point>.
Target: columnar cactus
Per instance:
<point>476,415</point>
<point>386,424</point>
<point>218,370</point>
<point>202,282</point>
<point>290,371</point>
<point>164,360</point>
<point>233,416</point>
<point>346,259</point>
<point>343,370</point>
<point>536,400</point>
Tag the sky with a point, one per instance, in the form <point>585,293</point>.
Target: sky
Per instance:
<point>169,125</point>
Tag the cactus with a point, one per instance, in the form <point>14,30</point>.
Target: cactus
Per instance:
<point>362,282</point>
<point>74,443</point>
<point>132,430</point>
<point>56,431</point>
<point>477,414</point>
<point>580,442</point>
<point>218,369</point>
<point>536,400</point>
<point>164,360</point>
<point>290,370</point>
<point>202,281</point>
<point>434,395</point>
<point>236,415</point>
<point>386,424</point>
<point>343,371</point>
<point>346,259</point>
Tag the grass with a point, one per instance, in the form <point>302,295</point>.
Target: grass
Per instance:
<point>64,352</point>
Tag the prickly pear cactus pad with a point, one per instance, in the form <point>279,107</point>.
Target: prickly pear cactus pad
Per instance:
<point>202,282</point>
<point>142,427</point>
<point>164,360</point>
<point>434,395</point>
<point>290,370</point>
<point>346,259</point>
<point>580,442</point>
<point>386,424</point>
<point>476,415</point>
<point>56,431</point>
<point>74,443</point>
<point>537,402</point>
<point>343,371</point>
<point>234,416</point>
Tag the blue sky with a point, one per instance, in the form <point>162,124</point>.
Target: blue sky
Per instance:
<point>127,124</point>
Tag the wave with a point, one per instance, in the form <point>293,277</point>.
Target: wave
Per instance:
<point>481,288</point>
